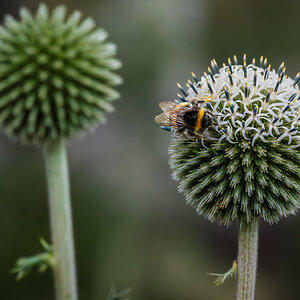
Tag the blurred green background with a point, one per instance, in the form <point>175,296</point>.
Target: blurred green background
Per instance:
<point>131,225</point>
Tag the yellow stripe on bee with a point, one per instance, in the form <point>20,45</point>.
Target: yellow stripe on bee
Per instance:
<point>198,125</point>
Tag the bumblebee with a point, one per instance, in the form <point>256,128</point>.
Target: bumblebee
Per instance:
<point>185,117</point>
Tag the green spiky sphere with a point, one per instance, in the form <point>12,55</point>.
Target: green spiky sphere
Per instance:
<point>227,182</point>
<point>56,75</point>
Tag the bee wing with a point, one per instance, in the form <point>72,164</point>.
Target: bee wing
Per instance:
<point>167,106</point>
<point>162,119</point>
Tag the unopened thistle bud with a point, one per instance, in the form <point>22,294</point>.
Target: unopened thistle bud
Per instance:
<point>56,75</point>
<point>235,142</point>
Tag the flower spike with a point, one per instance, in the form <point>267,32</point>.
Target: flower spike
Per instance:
<point>267,71</point>
<point>189,84</point>
<point>209,87</point>
<point>245,65</point>
<point>292,97</point>
<point>265,63</point>
<point>246,90</point>
<point>235,60</point>
<point>261,61</point>
<point>268,97</point>
<point>229,65</point>
<point>230,77</point>
<point>226,93</point>
<point>211,74</point>
<point>297,78</point>
<point>280,69</point>
<point>195,77</point>
<point>209,106</point>
<point>181,98</point>
<point>182,90</point>
<point>255,78</point>
<point>215,65</point>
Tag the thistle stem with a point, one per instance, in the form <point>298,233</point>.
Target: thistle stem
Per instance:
<point>61,220</point>
<point>247,260</point>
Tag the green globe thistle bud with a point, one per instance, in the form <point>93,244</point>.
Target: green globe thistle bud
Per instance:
<point>235,142</point>
<point>56,75</point>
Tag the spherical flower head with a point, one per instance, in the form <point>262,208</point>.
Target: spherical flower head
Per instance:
<point>56,75</point>
<point>246,163</point>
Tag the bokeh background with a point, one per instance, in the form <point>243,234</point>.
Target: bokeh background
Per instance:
<point>131,225</point>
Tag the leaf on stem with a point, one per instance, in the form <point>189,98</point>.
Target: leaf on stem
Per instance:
<point>229,274</point>
<point>114,295</point>
<point>40,261</point>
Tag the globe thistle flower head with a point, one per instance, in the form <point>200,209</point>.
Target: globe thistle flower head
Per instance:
<point>245,162</point>
<point>56,75</point>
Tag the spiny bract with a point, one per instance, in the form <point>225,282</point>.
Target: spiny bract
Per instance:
<point>247,164</point>
<point>55,75</point>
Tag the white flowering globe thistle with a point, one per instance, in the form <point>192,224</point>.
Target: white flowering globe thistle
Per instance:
<point>246,163</point>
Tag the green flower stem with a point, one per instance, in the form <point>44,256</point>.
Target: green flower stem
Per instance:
<point>61,220</point>
<point>247,260</point>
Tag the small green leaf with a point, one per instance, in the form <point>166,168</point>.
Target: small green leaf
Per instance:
<point>229,274</point>
<point>40,261</point>
<point>122,295</point>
